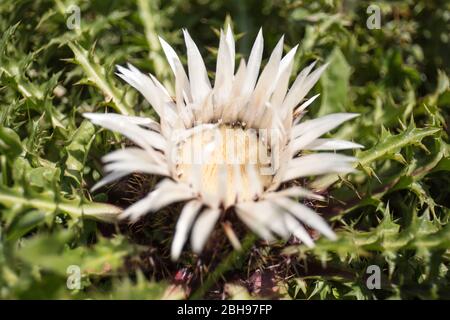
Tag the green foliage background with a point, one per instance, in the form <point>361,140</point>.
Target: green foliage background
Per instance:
<point>394,213</point>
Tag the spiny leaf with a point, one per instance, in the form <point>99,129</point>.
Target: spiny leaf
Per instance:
<point>96,75</point>
<point>47,203</point>
<point>150,16</point>
<point>77,150</point>
<point>394,143</point>
<point>51,252</point>
<point>387,147</point>
<point>385,238</point>
<point>10,144</point>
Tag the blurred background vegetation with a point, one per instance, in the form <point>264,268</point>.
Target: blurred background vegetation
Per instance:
<point>394,213</point>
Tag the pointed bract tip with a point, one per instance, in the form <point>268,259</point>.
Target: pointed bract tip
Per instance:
<point>120,68</point>
<point>331,235</point>
<point>325,65</point>
<point>259,36</point>
<point>229,30</point>
<point>89,115</point>
<point>162,41</point>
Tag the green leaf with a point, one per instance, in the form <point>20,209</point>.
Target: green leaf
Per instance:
<point>24,224</point>
<point>139,289</point>
<point>43,176</point>
<point>52,252</point>
<point>47,202</point>
<point>335,85</point>
<point>96,75</point>
<point>392,144</point>
<point>10,144</point>
<point>387,147</point>
<point>77,150</point>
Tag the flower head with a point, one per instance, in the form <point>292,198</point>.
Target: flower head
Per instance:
<point>236,144</point>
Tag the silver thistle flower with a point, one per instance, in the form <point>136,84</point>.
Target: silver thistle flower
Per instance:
<point>209,141</point>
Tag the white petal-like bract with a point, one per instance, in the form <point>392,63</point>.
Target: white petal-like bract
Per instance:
<point>232,145</point>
